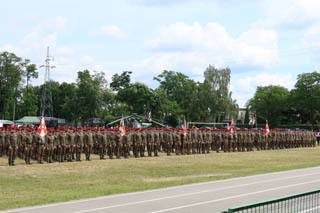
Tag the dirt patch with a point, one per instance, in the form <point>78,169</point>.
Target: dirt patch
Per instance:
<point>179,178</point>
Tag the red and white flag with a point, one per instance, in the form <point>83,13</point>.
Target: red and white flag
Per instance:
<point>267,128</point>
<point>232,129</point>
<point>122,128</point>
<point>42,130</point>
<point>184,130</point>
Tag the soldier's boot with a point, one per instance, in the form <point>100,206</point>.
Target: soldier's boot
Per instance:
<point>149,153</point>
<point>126,151</point>
<point>136,152</point>
<point>102,157</point>
<point>9,161</point>
<point>233,147</point>
<point>29,157</point>
<point>176,148</point>
<point>217,147</point>
<point>156,151</point>
<point>50,157</point>
<point>73,153</point>
<point>110,153</point>
<point>168,149</point>
<point>87,156</point>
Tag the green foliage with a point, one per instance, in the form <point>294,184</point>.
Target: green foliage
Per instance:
<point>11,73</point>
<point>138,97</point>
<point>220,103</point>
<point>88,94</point>
<point>306,97</point>
<point>30,71</point>
<point>28,103</point>
<point>176,98</point>
<point>179,90</point>
<point>121,81</point>
<point>269,103</point>
<point>246,117</point>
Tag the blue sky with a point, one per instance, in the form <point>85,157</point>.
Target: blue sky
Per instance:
<point>263,42</point>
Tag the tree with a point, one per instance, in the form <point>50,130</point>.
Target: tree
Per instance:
<point>221,104</point>
<point>269,103</point>
<point>121,81</point>
<point>10,77</point>
<point>246,117</point>
<point>138,97</point>
<point>178,88</point>
<point>67,101</point>
<point>89,94</point>
<point>28,103</point>
<point>30,71</point>
<point>306,96</point>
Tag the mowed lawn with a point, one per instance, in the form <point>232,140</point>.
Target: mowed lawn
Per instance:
<point>23,185</point>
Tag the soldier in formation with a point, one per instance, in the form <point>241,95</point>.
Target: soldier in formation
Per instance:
<point>68,144</point>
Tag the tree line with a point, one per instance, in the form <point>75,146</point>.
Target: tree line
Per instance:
<point>278,105</point>
<point>91,96</point>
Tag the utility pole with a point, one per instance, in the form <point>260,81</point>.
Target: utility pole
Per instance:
<point>46,108</point>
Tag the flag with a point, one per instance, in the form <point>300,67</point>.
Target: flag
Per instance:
<point>232,129</point>
<point>122,128</point>
<point>267,128</point>
<point>184,131</point>
<point>42,130</point>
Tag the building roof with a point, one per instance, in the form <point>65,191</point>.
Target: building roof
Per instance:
<point>6,122</point>
<point>29,120</point>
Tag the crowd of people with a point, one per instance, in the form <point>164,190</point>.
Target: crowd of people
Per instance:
<point>67,144</point>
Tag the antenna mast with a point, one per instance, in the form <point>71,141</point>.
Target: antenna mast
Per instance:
<point>46,108</point>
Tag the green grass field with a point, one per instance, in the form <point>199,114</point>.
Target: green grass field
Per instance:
<point>23,185</point>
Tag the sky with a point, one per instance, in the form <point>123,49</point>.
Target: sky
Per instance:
<point>263,42</point>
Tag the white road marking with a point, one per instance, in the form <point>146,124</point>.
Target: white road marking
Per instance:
<point>188,194</point>
<point>163,189</point>
<point>232,197</point>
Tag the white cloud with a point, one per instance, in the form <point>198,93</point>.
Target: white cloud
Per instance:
<point>245,87</point>
<point>60,22</point>
<point>190,48</point>
<point>291,14</point>
<point>300,18</point>
<point>34,45</point>
<point>111,31</point>
<point>311,41</point>
<point>87,59</point>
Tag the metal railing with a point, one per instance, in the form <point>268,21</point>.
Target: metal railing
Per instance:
<point>308,202</point>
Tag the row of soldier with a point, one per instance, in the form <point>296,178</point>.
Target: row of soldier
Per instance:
<point>67,144</point>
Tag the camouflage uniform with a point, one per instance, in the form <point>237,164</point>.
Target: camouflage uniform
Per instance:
<point>13,148</point>
<point>49,147</point>
<point>79,141</point>
<point>62,146</point>
<point>149,141</point>
<point>70,145</point>
<point>156,141</point>
<point>111,144</point>
<point>28,147</point>
<point>88,144</point>
<point>143,144</point>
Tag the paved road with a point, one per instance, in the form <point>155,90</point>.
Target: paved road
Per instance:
<point>213,196</point>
